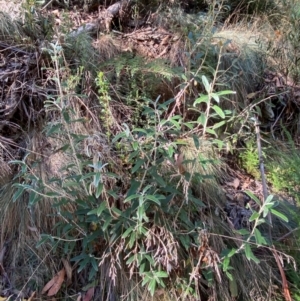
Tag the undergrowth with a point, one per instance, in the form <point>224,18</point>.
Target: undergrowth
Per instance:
<point>133,178</point>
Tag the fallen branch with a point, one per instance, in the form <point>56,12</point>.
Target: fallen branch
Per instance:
<point>104,20</point>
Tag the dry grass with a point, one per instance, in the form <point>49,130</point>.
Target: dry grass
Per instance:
<point>23,223</point>
<point>12,8</point>
<point>242,65</point>
<point>9,29</point>
<point>107,47</point>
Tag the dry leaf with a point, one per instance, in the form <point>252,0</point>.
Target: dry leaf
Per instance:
<point>68,269</point>
<point>54,285</point>
<point>235,183</point>
<point>89,294</point>
<point>32,296</point>
<point>79,298</point>
<point>179,160</point>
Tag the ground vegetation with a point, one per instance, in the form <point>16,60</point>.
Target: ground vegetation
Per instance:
<point>149,150</point>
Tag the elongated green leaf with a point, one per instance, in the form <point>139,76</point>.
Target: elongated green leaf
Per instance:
<point>225,263</point>
<point>151,287</point>
<point>261,221</point>
<point>215,97</point>
<point>130,259</point>
<point>119,136</point>
<point>254,216</point>
<point>145,280</point>
<point>225,92</point>
<point>280,215</point>
<point>127,232</point>
<point>231,253</point>
<point>99,190</point>
<point>98,210</point>
<point>17,162</point>
<point>219,111</point>
<point>249,254</point>
<point>153,199</point>
<point>137,165</point>
<point>202,119</point>
<point>201,99</point>
<point>253,197</point>
<point>54,129</point>
<point>242,232</point>
<point>132,240</point>
<point>269,199</point>
<point>139,130</point>
<point>161,274</point>
<point>265,211</point>
<point>206,84</point>
<point>230,277</point>
<point>23,186</point>
<point>17,194</point>
<point>260,240</point>
<point>211,131</point>
<point>218,124</point>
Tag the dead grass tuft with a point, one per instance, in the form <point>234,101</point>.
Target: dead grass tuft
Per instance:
<point>9,28</point>
<point>242,65</point>
<point>107,47</point>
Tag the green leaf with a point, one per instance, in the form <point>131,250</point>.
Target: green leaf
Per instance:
<point>215,97</point>
<point>253,197</point>
<point>132,240</point>
<point>230,277</point>
<point>225,263</point>
<point>249,254</point>
<point>225,92</point>
<point>130,259</point>
<point>265,211</point>
<point>260,240</point>
<point>119,136</point>
<point>269,199</point>
<point>219,111</point>
<point>218,124</point>
<point>196,141</point>
<point>159,179</point>
<point>127,232</point>
<point>131,197</point>
<point>201,99</point>
<point>66,116</point>
<point>161,274</point>
<point>242,232</point>
<point>94,263</point>
<point>260,221</point>
<point>54,129</point>
<point>18,194</point>
<point>17,162</point>
<point>231,253</point>
<point>98,210</point>
<point>135,145</point>
<point>254,216</point>
<point>44,238</point>
<point>96,178</point>
<point>206,84</point>
<point>280,215</point>
<point>151,287</point>
<point>140,130</point>
<point>145,280</point>
<point>99,190</point>
<point>137,165</point>
<point>153,198</point>
<point>211,131</point>
<point>202,119</point>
